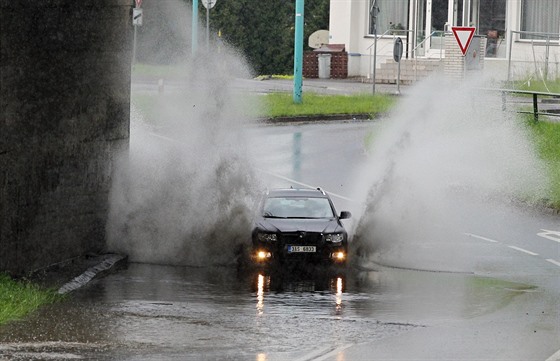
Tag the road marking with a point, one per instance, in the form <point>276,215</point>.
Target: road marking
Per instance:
<point>164,138</point>
<point>552,235</point>
<point>264,171</point>
<point>523,250</point>
<point>482,238</point>
<point>333,352</point>
<point>323,354</point>
<point>555,357</point>
<point>494,241</point>
<point>556,263</point>
<point>304,184</point>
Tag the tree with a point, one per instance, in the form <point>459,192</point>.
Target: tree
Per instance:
<point>264,30</point>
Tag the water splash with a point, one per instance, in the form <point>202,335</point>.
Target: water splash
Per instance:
<point>182,193</point>
<point>446,148</point>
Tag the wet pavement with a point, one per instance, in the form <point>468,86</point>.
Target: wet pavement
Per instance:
<point>471,293</point>
<point>150,312</point>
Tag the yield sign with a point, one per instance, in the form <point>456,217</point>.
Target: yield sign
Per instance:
<point>463,35</point>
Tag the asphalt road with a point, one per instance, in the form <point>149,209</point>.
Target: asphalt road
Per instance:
<point>489,290</point>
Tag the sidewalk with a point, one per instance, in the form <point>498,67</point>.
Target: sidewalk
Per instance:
<point>323,86</point>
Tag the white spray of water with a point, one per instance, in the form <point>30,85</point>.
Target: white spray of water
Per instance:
<point>446,147</point>
<point>183,191</point>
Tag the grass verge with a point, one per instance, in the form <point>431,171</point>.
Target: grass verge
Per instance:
<point>282,104</point>
<point>20,298</point>
<point>539,86</point>
<point>163,71</point>
<point>276,105</point>
<point>546,137</point>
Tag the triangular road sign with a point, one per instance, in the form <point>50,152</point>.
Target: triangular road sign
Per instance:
<point>463,35</point>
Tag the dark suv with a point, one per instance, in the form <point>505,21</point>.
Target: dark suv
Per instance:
<point>299,225</point>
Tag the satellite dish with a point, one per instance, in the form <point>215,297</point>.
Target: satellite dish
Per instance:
<point>318,38</point>
<point>208,4</point>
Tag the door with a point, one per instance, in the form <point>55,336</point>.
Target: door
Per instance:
<point>437,15</point>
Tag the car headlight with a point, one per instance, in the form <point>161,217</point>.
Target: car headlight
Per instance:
<point>334,237</point>
<point>267,237</point>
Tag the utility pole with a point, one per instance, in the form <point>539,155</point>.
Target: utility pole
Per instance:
<point>298,52</point>
<point>374,11</point>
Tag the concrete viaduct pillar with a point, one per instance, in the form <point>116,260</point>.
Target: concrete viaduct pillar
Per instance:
<point>64,114</point>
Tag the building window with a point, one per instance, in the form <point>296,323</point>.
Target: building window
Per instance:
<point>491,19</point>
<point>540,16</point>
<point>391,18</point>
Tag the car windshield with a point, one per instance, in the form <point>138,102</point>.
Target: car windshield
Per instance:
<point>297,207</point>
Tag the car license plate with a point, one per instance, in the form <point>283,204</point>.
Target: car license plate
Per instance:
<point>302,249</point>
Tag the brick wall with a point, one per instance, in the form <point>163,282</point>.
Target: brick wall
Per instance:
<point>64,112</point>
<point>454,61</point>
<point>339,64</point>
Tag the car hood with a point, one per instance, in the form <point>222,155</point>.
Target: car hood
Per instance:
<point>294,225</point>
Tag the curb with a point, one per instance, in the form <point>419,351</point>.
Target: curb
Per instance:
<point>315,118</point>
<point>320,117</point>
<point>108,264</point>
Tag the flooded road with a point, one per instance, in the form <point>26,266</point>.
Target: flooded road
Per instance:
<point>486,288</point>
<point>150,312</point>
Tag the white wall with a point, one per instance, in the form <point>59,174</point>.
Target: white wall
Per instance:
<point>349,26</point>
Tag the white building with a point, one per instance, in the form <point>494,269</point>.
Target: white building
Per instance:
<point>527,32</point>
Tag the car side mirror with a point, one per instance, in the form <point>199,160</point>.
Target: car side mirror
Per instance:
<point>345,215</point>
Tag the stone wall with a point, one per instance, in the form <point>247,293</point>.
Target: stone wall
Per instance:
<point>64,113</point>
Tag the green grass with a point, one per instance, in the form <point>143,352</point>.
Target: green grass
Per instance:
<point>162,71</point>
<point>486,295</point>
<point>539,86</point>
<point>546,136</point>
<point>275,76</point>
<point>20,298</point>
<point>275,105</point>
<point>282,104</point>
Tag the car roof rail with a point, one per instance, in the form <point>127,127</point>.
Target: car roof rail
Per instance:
<point>321,190</point>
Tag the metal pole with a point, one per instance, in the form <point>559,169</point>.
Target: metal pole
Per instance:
<point>208,24</point>
<point>547,53</point>
<point>194,26</point>
<point>374,55</point>
<point>535,107</point>
<point>298,52</point>
<point>134,48</point>
<point>510,45</point>
<point>373,13</point>
<point>399,78</point>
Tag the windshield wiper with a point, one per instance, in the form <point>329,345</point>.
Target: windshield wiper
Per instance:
<point>269,215</point>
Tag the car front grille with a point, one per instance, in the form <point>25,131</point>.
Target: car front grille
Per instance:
<point>302,238</point>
